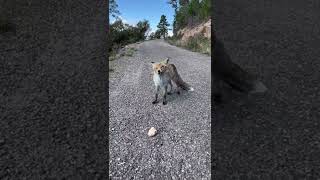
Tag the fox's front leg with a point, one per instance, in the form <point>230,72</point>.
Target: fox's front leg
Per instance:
<point>178,90</point>
<point>165,95</point>
<point>157,92</point>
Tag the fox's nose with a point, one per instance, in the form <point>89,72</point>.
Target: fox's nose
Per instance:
<point>159,71</point>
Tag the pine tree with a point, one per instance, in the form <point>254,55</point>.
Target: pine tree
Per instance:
<point>163,26</point>
<point>113,9</point>
<point>193,10</point>
<point>183,2</point>
<point>174,4</point>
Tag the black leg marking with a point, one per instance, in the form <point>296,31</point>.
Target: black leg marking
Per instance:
<point>157,92</point>
<point>165,96</point>
<point>178,90</point>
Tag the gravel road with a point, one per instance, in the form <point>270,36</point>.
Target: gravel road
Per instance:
<point>275,135</point>
<point>181,149</point>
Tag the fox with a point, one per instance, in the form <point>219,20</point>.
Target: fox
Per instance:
<point>163,75</point>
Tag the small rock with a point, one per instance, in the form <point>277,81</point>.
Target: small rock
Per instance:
<point>152,132</point>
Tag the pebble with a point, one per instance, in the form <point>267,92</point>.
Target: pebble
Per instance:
<point>152,132</point>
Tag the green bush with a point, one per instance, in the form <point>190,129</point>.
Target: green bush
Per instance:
<point>157,34</point>
<point>123,34</point>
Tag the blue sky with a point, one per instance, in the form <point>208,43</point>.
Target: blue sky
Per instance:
<point>132,11</point>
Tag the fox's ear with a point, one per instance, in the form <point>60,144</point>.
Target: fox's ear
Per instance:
<point>153,64</point>
<point>167,60</point>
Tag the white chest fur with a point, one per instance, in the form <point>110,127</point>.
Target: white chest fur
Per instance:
<point>157,79</point>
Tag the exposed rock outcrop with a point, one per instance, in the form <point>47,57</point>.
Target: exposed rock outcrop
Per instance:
<point>201,29</point>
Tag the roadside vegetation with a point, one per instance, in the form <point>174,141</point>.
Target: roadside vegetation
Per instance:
<point>125,51</point>
<point>197,43</point>
<point>189,14</point>
<point>122,34</point>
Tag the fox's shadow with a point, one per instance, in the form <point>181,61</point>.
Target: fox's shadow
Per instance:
<point>234,107</point>
<point>177,97</point>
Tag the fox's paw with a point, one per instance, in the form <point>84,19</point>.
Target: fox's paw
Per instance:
<point>155,102</point>
<point>164,102</point>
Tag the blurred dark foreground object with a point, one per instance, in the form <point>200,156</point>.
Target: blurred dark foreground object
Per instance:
<point>225,71</point>
<point>6,27</point>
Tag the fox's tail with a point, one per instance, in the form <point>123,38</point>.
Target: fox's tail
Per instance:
<point>179,82</point>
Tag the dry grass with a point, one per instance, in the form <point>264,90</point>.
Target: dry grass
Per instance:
<point>124,52</point>
<point>197,43</point>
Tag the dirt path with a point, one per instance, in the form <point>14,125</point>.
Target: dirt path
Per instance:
<point>182,147</point>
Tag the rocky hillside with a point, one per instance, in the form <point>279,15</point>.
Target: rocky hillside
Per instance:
<point>196,38</point>
<point>203,29</point>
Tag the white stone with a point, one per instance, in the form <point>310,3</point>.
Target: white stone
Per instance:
<point>152,132</point>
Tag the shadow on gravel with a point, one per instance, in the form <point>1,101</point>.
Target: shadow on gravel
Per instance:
<point>254,137</point>
<point>178,98</point>
<point>233,109</point>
